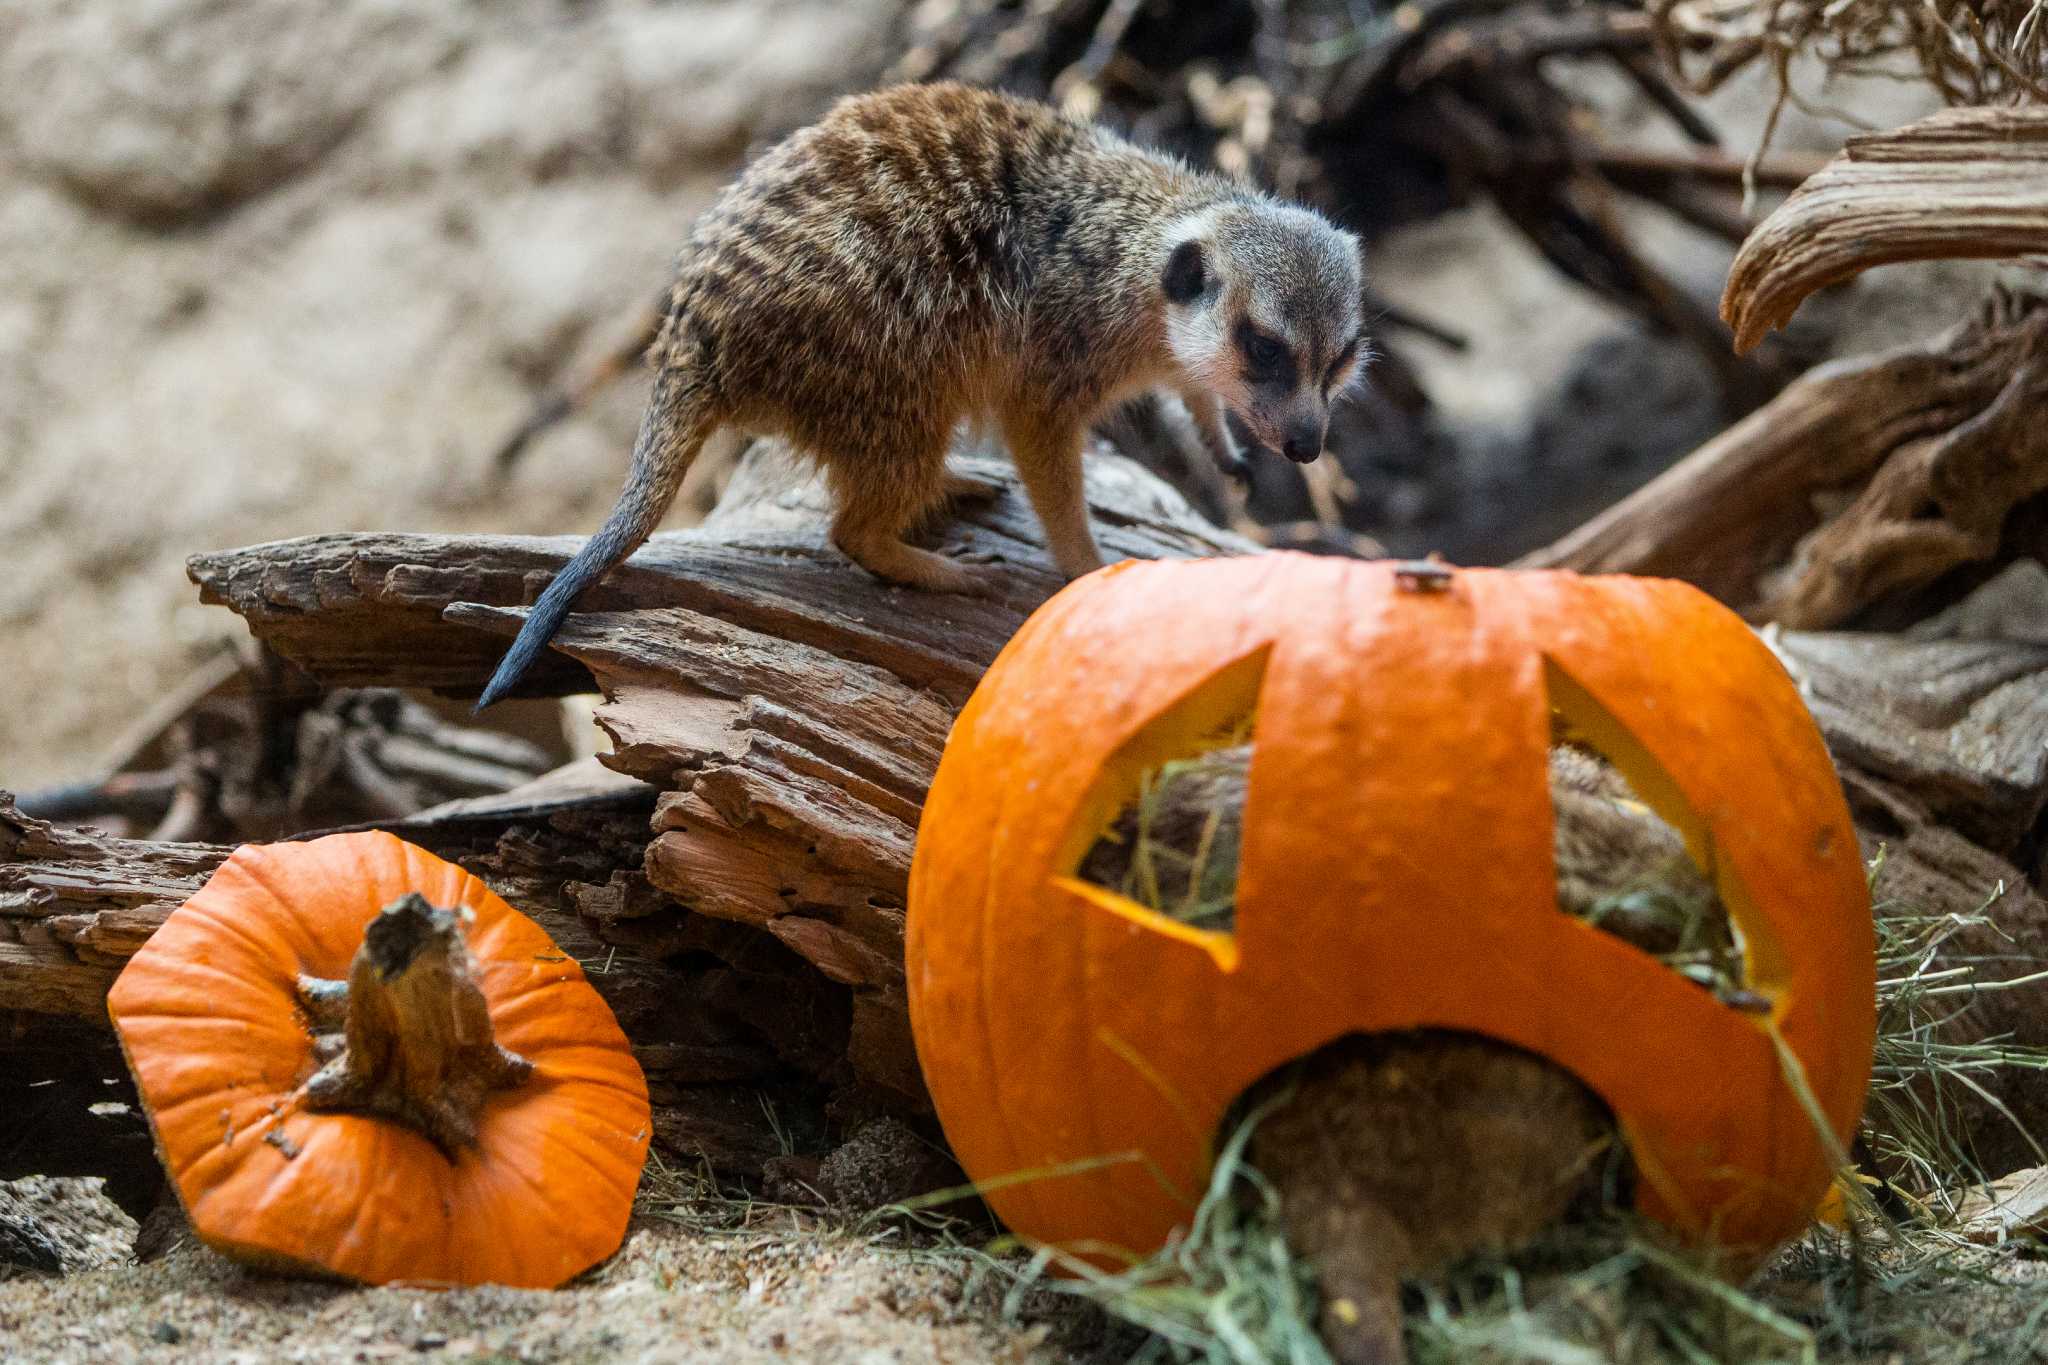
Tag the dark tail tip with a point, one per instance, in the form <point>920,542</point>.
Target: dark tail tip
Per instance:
<point>511,668</point>
<point>540,627</point>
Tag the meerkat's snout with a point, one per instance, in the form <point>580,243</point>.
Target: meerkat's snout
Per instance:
<point>1264,312</point>
<point>1302,438</point>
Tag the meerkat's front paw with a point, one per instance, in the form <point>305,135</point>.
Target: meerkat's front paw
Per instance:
<point>980,576</point>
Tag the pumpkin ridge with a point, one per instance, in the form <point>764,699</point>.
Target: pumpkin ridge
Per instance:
<point>535,1184</point>
<point>248,860</point>
<point>992,1064</point>
<point>240,942</point>
<point>346,1194</point>
<point>550,1071</point>
<point>217,1006</point>
<point>570,1144</point>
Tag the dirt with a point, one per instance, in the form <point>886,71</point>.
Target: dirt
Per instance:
<point>788,1289</point>
<point>60,1224</point>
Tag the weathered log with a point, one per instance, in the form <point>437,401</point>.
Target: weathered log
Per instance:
<point>374,610</point>
<point>742,907</point>
<point>788,709</point>
<point>1863,480</point>
<point>74,905</point>
<point>791,706</point>
<point>1963,183</point>
<point>1961,726</point>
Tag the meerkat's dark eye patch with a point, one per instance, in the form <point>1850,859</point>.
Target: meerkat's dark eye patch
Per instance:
<point>1187,273</point>
<point>1343,362</point>
<point>1267,359</point>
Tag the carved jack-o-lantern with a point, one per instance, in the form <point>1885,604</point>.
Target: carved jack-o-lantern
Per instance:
<point>1396,872</point>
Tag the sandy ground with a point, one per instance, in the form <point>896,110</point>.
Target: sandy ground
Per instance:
<point>780,1291</point>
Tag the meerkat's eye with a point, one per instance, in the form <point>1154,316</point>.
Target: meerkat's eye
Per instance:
<point>1187,274</point>
<point>1342,364</point>
<point>1267,359</point>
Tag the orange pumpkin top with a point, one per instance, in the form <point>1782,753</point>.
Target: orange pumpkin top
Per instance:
<point>210,1016</point>
<point>1396,872</point>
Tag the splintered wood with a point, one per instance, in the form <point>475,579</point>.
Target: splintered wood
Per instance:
<point>1864,480</point>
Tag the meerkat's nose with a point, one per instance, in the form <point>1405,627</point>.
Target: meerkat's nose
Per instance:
<point>1303,441</point>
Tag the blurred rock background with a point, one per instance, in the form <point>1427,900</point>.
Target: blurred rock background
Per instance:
<point>269,269</point>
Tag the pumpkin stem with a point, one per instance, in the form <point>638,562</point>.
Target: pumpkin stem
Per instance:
<point>417,1046</point>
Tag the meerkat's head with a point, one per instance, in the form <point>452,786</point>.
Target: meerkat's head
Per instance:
<point>1263,309</point>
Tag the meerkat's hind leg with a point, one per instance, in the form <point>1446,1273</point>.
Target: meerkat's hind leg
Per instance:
<point>873,517</point>
<point>1048,458</point>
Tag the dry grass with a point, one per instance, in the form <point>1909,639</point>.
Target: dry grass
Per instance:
<point>1971,52</point>
<point>1903,1285</point>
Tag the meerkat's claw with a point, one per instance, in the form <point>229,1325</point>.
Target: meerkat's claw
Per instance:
<point>986,574</point>
<point>973,576</point>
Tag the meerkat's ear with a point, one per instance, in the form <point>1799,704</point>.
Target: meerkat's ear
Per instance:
<point>1187,273</point>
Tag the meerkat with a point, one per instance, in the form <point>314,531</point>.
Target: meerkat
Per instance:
<point>929,255</point>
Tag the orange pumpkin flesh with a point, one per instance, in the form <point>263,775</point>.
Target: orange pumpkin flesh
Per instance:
<point>1396,872</point>
<point>209,1014</point>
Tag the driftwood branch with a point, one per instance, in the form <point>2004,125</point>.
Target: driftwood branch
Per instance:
<point>787,709</point>
<point>1961,183</point>
<point>1862,480</point>
<point>395,610</point>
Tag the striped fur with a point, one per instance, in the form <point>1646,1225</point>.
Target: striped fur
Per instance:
<point>931,254</point>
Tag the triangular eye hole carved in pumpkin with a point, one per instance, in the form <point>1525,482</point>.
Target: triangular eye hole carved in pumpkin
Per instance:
<point>1157,839</point>
<point>1634,859</point>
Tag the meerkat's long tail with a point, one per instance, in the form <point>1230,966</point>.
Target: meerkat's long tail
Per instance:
<point>675,429</point>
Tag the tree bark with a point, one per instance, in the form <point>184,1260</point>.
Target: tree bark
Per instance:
<point>1863,482</point>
